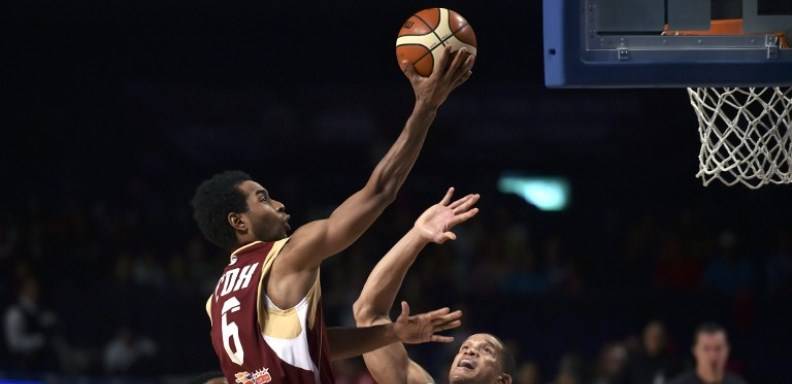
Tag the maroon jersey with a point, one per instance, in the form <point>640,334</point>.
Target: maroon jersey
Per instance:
<point>256,341</point>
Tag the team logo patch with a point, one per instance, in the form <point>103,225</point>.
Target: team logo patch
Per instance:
<point>260,376</point>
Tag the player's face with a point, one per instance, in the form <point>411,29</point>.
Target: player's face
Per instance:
<point>266,217</point>
<point>711,351</point>
<point>478,360</point>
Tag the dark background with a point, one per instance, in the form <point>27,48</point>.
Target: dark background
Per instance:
<point>117,110</point>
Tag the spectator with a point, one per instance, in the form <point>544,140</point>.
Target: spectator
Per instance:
<point>126,352</point>
<point>569,370</point>
<point>653,363</point>
<point>528,373</point>
<point>28,330</point>
<point>610,364</point>
<point>711,352</point>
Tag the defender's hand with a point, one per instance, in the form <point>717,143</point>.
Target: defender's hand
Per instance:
<point>435,223</point>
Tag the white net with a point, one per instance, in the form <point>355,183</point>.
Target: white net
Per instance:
<point>746,135</point>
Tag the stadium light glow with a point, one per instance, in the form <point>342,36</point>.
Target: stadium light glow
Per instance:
<point>546,193</point>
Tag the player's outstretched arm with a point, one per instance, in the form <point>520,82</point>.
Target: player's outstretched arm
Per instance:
<point>422,328</point>
<point>317,240</point>
<point>391,364</point>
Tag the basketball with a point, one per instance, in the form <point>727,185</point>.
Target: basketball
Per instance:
<point>426,31</point>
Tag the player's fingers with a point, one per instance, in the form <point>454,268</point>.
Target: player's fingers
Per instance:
<point>449,325</point>
<point>443,61</point>
<point>467,64</point>
<point>465,70</point>
<point>464,78</point>
<point>442,339</point>
<point>463,217</point>
<point>448,235</point>
<point>408,69</point>
<point>442,323</point>
<point>459,60</point>
<point>456,315</point>
<point>405,310</point>
<point>466,204</point>
<point>471,60</point>
<point>460,201</point>
<point>447,197</point>
<point>439,312</point>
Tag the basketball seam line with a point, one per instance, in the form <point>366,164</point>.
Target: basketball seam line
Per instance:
<point>410,34</point>
<point>429,51</point>
<point>429,26</point>
<point>453,33</point>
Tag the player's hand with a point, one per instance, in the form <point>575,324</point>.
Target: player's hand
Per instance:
<point>422,328</point>
<point>453,69</point>
<point>435,223</point>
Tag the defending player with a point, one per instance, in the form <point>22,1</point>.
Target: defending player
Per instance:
<point>265,312</point>
<point>482,358</point>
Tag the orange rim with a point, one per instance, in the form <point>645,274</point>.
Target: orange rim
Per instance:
<point>722,27</point>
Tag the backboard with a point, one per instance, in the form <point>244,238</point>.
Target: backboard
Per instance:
<point>666,43</point>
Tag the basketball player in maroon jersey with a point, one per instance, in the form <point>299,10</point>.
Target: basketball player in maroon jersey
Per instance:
<point>482,358</point>
<point>266,315</point>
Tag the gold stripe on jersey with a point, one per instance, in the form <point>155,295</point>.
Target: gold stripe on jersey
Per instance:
<point>282,323</point>
<point>244,247</point>
<point>209,308</point>
<point>285,323</point>
<point>265,267</point>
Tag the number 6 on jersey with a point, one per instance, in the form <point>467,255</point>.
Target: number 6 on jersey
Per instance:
<point>230,330</point>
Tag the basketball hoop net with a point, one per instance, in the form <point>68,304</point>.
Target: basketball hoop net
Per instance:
<point>746,135</point>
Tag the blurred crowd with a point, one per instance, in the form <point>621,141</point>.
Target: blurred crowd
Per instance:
<point>102,288</point>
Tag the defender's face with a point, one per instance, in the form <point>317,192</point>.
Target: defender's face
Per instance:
<point>478,360</point>
<point>266,217</point>
<point>712,351</point>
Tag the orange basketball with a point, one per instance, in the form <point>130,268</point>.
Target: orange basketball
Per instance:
<point>426,31</point>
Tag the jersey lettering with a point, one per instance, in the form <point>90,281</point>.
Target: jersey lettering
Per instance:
<point>233,280</point>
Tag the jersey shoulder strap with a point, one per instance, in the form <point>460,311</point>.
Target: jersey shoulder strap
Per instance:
<point>265,268</point>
